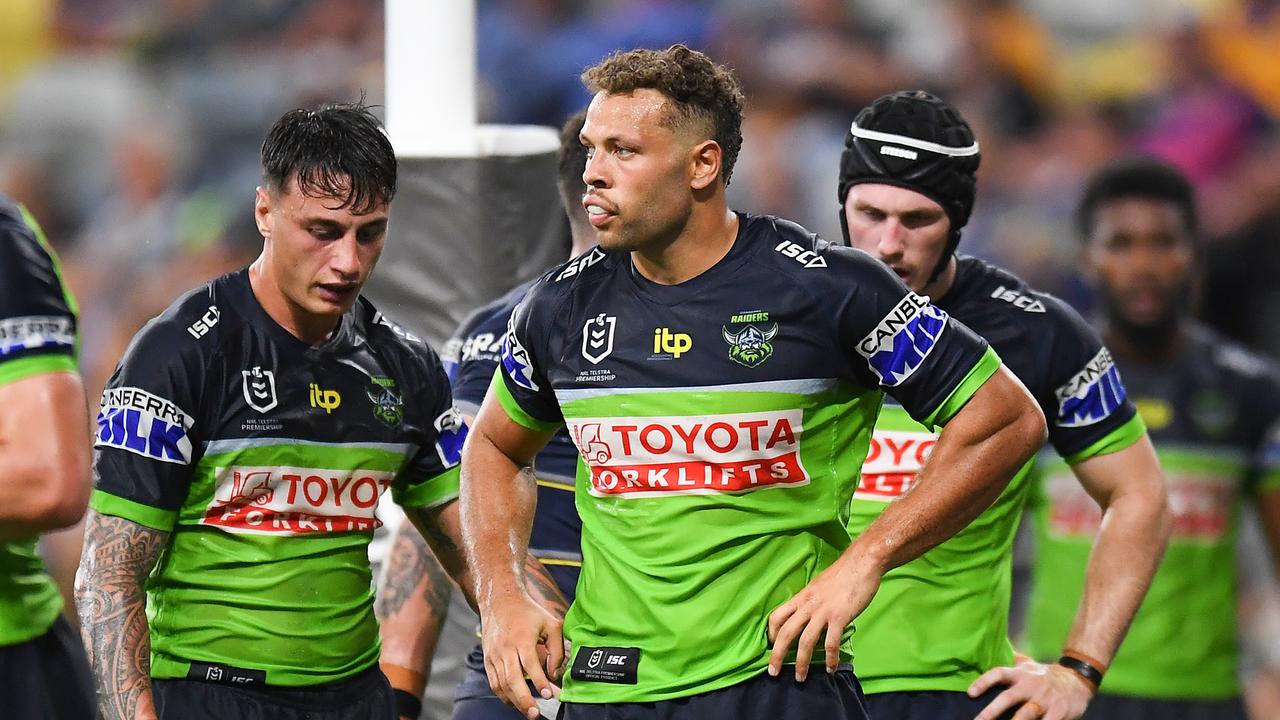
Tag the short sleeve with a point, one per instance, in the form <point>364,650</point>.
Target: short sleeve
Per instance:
<point>147,434</point>
<point>902,343</point>
<point>37,313</point>
<point>1085,404</point>
<point>430,478</point>
<point>521,384</point>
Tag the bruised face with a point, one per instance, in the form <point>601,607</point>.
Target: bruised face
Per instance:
<point>316,257</point>
<point>1140,254</point>
<point>902,228</point>
<point>641,174</point>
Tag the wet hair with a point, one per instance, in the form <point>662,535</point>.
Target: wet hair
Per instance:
<point>335,151</point>
<point>701,92</point>
<point>1137,177</point>
<point>572,156</point>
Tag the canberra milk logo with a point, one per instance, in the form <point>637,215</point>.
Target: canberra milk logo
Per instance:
<point>451,433</point>
<point>515,359</point>
<point>903,339</point>
<point>135,420</point>
<point>677,455</point>
<point>1092,394</point>
<point>260,388</point>
<point>34,332</point>
<point>295,500</point>
<point>597,338</point>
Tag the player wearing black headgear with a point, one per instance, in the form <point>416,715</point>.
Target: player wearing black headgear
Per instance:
<point>907,187</point>
<point>914,140</point>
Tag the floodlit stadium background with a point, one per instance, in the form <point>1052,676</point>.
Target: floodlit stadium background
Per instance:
<point>131,129</point>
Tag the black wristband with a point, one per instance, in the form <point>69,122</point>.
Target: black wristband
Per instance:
<point>407,704</point>
<point>1090,673</point>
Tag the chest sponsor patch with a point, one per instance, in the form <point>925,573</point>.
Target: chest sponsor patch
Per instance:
<point>903,339</point>
<point>894,460</point>
<point>295,501</point>
<point>35,332</point>
<point>1201,507</point>
<point>662,456</point>
<point>1092,394</point>
<point>133,419</point>
<point>616,665</point>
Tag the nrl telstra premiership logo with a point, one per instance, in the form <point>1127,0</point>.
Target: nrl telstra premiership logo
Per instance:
<point>597,338</point>
<point>260,388</point>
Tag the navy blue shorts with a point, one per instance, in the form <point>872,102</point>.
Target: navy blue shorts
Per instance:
<point>366,696</point>
<point>474,700</point>
<point>46,678</point>
<point>837,696</point>
<point>933,705</point>
<point>1119,707</point>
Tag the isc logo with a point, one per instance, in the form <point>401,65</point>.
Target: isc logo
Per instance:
<point>1018,300</point>
<point>201,327</point>
<point>807,258</point>
<point>665,341</point>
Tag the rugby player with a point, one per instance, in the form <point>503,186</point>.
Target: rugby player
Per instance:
<point>907,186</point>
<point>243,442</point>
<point>44,473</point>
<point>414,589</point>
<point>1213,410</point>
<point>720,374</point>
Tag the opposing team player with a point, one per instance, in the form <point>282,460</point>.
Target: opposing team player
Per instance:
<point>243,443</point>
<point>907,182</point>
<point>719,373</point>
<point>412,577</point>
<point>44,474</point>
<point>1213,409</point>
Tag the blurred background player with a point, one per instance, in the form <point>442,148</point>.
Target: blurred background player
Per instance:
<point>1213,410</point>
<point>907,187</point>
<point>246,437</point>
<point>44,474</point>
<point>414,590</point>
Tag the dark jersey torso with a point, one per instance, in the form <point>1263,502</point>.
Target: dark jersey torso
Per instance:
<point>265,458</point>
<point>963,585</point>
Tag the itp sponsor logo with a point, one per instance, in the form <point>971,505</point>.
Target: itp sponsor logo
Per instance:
<point>327,400</point>
<point>1092,394</point>
<point>133,419</point>
<point>897,346</point>
<point>670,343</point>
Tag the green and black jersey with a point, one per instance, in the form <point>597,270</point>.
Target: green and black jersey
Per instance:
<point>1214,416</point>
<point>38,334</point>
<point>941,620</point>
<point>721,423</point>
<point>265,457</point>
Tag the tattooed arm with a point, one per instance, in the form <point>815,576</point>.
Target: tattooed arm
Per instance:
<point>413,597</point>
<point>118,555</point>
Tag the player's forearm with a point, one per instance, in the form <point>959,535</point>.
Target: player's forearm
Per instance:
<point>1130,542</point>
<point>441,527</point>
<point>498,501</point>
<point>413,599</point>
<point>979,450</point>
<point>118,555</point>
